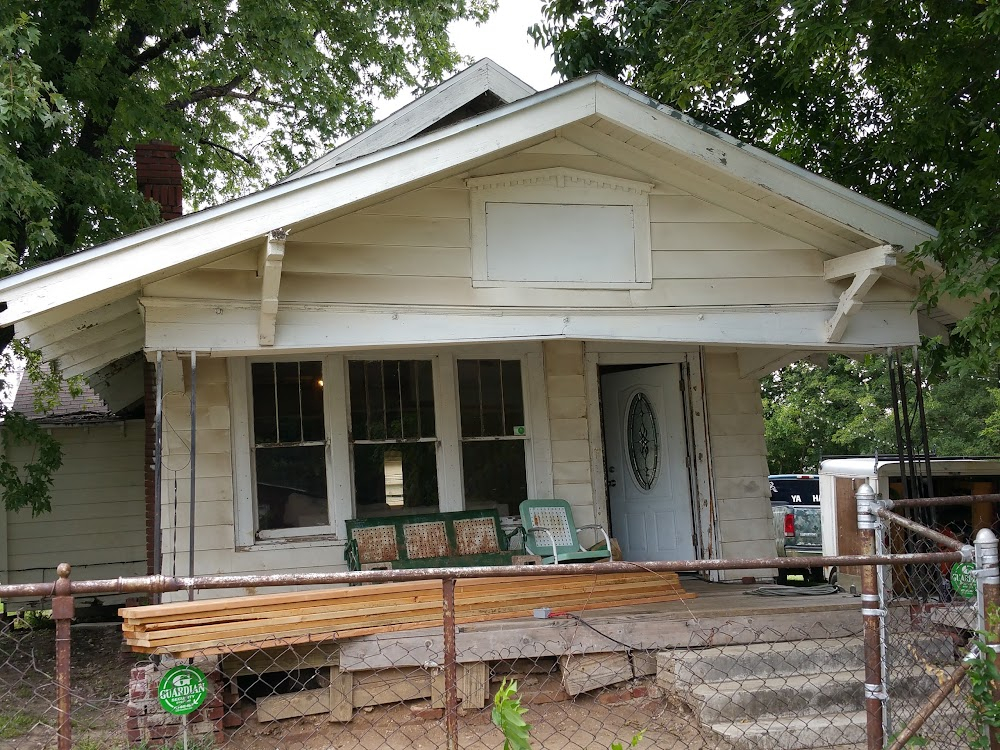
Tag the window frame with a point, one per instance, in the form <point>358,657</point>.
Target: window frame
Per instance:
<point>339,449</point>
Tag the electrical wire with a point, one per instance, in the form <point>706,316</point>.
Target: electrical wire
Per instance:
<point>821,590</point>
<point>629,649</point>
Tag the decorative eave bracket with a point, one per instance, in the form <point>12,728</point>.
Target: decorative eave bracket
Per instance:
<point>269,269</point>
<point>866,267</point>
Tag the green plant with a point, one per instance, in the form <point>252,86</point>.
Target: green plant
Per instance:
<point>982,674</point>
<point>507,713</point>
<point>14,725</point>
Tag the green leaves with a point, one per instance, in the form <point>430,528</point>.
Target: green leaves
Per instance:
<point>248,90</point>
<point>507,713</point>
<point>898,101</point>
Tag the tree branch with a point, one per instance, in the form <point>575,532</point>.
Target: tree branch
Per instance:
<point>247,159</point>
<point>188,33</point>
<point>207,92</point>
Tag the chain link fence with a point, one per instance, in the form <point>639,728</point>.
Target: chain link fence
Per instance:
<point>741,666</point>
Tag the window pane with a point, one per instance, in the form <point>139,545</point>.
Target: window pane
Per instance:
<point>391,399</point>
<point>468,397</point>
<point>291,487</point>
<point>312,401</point>
<point>490,399</point>
<point>513,396</point>
<point>494,475</point>
<point>424,373</point>
<point>289,407</point>
<point>359,399</point>
<point>265,424</point>
<point>378,486</point>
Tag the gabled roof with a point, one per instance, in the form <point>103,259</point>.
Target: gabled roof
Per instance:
<point>477,89</point>
<point>116,269</point>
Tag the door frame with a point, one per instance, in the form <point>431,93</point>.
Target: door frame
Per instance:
<point>598,354</point>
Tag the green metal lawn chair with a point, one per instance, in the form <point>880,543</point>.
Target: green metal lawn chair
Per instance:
<point>551,534</point>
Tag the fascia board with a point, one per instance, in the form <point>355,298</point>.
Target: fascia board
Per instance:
<point>130,259</point>
<point>672,128</point>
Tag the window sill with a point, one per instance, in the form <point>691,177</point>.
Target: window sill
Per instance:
<point>292,542</point>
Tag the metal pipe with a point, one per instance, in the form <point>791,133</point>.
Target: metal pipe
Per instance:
<point>918,502</point>
<point>929,708</point>
<point>907,429</point>
<point>884,582</point>
<point>871,618</point>
<point>988,596</point>
<point>922,416</point>
<point>62,613</point>
<point>157,566</point>
<point>139,584</point>
<point>918,528</point>
<point>194,455</point>
<point>450,663</point>
<point>894,388</point>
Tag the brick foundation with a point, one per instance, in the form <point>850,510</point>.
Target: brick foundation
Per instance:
<point>147,723</point>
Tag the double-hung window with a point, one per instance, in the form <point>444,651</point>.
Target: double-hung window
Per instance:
<point>493,433</point>
<point>289,448</point>
<point>393,442</point>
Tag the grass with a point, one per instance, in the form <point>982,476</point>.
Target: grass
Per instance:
<point>13,725</point>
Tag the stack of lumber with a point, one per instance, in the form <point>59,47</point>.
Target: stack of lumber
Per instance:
<point>216,626</point>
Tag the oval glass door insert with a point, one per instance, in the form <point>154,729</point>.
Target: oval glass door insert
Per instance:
<point>643,441</point>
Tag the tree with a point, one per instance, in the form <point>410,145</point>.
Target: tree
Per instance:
<point>843,407</point>
<point>898,101</point>
<point>247,89</point>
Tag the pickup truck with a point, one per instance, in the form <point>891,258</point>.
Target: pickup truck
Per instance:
<point>796,511</point>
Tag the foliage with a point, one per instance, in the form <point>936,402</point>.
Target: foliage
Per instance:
<point>898,101</point>
<point>26,102</point>
<point>983,674</point>
<point>843,407</point>
<point>507,713</point>
<point>245,88</point>
<point>29,486</point>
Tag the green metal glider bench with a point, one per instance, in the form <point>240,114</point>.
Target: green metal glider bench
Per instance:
<point>430,540</point>
<point>551,534</point>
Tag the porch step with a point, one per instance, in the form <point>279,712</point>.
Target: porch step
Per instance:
<point>679,670</point>
<point>841,730</point>
<point>795,695</point>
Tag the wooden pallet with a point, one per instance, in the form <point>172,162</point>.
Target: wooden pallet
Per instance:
<point>218,626</point>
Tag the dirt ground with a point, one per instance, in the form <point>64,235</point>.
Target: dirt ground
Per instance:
<point>100,676</point>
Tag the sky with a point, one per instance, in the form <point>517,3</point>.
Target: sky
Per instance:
<point>504,39</point>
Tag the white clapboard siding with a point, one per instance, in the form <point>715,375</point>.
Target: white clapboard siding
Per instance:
<point>568,427</point>
<point>97,522</point>
<point>739,461</point>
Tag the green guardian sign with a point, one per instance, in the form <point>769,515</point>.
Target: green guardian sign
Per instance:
<point>963,579</point>
<point>182,690</point>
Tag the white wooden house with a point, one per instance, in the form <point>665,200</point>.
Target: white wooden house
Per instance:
<point>494,294</point>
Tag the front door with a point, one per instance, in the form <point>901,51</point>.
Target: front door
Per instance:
<point>649,491</point>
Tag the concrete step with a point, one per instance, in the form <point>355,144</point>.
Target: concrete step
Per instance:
<point>678,670</point>
<point>837,730</point>
<point>794,695</point>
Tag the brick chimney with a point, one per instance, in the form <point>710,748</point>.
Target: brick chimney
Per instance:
<point>158,174</point>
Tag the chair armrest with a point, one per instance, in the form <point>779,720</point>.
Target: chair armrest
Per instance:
<point>552,540</point>
<point>600,528</point>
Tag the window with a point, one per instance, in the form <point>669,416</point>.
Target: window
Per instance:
<point>393,436</point>
<point>289,439</point>
<point>493,433</point>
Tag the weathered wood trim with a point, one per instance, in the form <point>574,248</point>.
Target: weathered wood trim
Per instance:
<point>340,477</point>
<point>271,257</point>
<point>850,303</point>
<point>756,363</point>
<point>877,258</point>
<point>536,405</point>
<point>451,487</point>
<point>184,324</point>
<point>239,419</point>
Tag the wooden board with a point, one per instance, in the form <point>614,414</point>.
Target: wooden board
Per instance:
<point>584,672</point>
<point>221,626</point>
<point>473,688</point>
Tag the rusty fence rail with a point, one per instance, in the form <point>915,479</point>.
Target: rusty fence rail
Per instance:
<point>801,670</point>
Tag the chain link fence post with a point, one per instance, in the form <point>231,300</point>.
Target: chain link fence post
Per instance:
<point>988,595</point>
<point>871,618</point>
<point>450,663</point>
<point>62,613</point>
